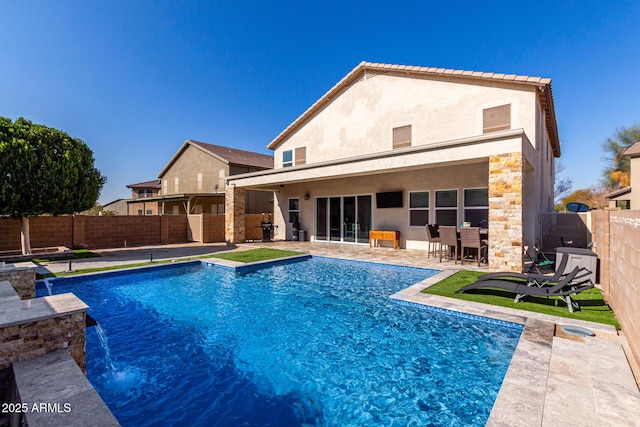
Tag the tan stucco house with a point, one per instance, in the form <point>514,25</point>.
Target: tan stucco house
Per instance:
<point>144,198</point>
<point>625,198</point>
<point>394,147</point>
<point>194,180</point>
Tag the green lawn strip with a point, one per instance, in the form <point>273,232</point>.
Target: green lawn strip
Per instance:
<point>254,255</point>
<point>113,267</point>
<point>593,307</point>
<point>77,254</point>
<point>251,255</point>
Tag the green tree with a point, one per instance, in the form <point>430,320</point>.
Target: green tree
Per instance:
<point>617,175</point>
<point>44,171</point>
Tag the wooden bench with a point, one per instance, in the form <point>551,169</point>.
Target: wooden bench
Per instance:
<point>375,235</point>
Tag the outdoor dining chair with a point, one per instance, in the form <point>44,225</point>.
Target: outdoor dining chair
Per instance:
<point>470,239</point>
<point>449,239</point>
<point>433,237</point>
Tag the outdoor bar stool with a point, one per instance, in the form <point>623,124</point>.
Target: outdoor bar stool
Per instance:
<point>470,239</point>
<point>433,237</point>
<point>449,238</point>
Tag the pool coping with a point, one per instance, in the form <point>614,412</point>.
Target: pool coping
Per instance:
<point>526,396</point>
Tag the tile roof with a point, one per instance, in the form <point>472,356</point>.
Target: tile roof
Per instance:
<point>147,184</point>
<point>544,84</point>
<point>633,151</point>
<point>236,156</point>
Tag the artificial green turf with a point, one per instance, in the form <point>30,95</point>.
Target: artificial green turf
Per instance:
<point>593,307</point>
<point>77,254</point>
<point>253,255</point>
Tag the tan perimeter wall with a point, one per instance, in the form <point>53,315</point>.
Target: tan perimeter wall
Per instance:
<point>616,235</point>
<point>95,232</point>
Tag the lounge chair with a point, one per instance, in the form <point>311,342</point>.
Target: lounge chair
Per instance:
<point>531,278</point>
<point>572,283</point>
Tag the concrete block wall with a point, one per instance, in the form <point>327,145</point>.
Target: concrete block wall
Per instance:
<point>624,270</point>
<point>252,228</point>
<point>95,232</point>
<point>212,228</point>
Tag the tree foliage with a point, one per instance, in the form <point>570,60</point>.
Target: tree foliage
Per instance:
<point>562,185</point>
<point>592,197</point>
<point>618,173</point>
<point>44,171</point>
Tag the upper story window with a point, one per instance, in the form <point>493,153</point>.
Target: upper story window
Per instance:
<point>140,193</point>
<point>496,118</point>
<point>447,207</point>
<point>199,181</point>
<point>301,155</point>
<point>165,185</point>
<point>418,208</point>
<point>402,136</point>
<point>287,158</point>
<point>176,185</point>
<point>149,193</point>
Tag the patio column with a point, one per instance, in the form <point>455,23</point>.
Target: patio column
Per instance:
<point>234,206</point>
<point>506,212</point>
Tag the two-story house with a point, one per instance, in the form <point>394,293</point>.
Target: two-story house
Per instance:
<point>194,179</point>
<point>397,147</point>
<point>144,198</point>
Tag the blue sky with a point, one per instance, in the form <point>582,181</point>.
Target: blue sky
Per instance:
<point>135,79</point>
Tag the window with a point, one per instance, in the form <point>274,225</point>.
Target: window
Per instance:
<point>418,208</point>
<point>287,158</point>
<point>623,204</point>
<point>149,193</point>
<point>140,193</point>
<point>176,184</point>
<point>402,136</point>
<point>294,211</point>
<point>165,183</point>
<point>447,207</point>
<point>199,181</point>
<point>476,206</point>
<point>496,118</point>
<point>149,212</point>
<point>140,211</point>
<point>175,209</point>
<point>301,155</point>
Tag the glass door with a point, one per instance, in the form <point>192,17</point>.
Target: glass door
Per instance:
<point>364,219</point>
<point>343,219</point>
<point>350,220</point>
<point>321,218</point>
<point>335,219</point>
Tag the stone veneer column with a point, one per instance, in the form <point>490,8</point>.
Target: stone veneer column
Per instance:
<point>234,206</point>
<point>506,212</point>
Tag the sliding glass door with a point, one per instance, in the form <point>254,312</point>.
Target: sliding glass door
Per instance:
<point>343,218</point>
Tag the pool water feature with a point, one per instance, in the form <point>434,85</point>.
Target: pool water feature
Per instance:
<point>316,342</point>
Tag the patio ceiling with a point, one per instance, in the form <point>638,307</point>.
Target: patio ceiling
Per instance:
<point>467,150</point>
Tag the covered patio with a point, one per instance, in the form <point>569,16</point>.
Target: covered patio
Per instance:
<point>483,179</point>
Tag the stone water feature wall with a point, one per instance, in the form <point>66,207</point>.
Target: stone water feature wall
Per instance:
<point>22,279</point>
<point>31,327</point>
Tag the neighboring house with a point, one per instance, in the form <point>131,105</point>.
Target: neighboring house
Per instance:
<point>144,198</point>
<point>625,198</point>
<point>118,206</point>
<point>193,181</point>
<point>396,147</point>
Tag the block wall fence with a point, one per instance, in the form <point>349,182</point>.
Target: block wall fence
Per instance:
<point>616,238</point>
<point>98,232</point>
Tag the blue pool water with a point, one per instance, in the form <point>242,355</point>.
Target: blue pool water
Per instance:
<point>316,342</point>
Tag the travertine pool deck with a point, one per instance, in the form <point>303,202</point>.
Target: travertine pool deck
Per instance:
<point>552,381</point>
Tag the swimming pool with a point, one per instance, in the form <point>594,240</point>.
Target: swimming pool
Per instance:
<point>316,342</point>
